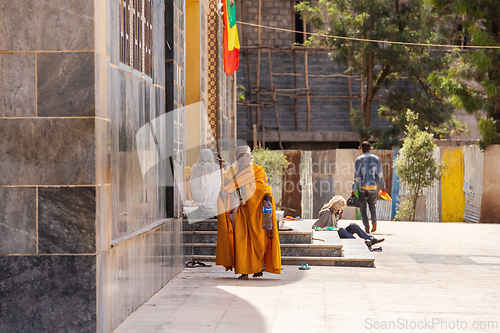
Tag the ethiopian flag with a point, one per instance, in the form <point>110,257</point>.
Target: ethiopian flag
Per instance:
<point>231,51</point>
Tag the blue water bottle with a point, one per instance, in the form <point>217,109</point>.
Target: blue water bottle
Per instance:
<point>267,213</point>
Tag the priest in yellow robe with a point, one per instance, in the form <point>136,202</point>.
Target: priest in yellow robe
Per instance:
<point>242,244</point>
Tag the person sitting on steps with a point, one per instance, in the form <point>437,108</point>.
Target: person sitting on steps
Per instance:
<point>331,213</point>
<point>327,218</point>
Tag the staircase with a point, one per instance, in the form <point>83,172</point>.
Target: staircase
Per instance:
<point>299,245</point>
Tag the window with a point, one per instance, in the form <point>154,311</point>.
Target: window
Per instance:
<point>136,35</point>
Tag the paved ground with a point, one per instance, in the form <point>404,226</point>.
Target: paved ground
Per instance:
<point>430,277</point>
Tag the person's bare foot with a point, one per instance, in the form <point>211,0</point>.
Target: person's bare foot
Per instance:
<point>374,227</point>
<point>243,277</point>
<point>259,274</point>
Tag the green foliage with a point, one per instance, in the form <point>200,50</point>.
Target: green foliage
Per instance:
<point>473,80</point>
<point>274,163</point>
<point>396,75</point>
<point>404,211</point>
<point>489,132</point>
<point>240,93</point>
<point>416,166</point>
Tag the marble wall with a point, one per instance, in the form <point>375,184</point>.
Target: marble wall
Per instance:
<point>80,229</point>
<point>134,270</point>
<point>47,187</point>
<point>179,96</point>
<point>37,292</point>
<point>138,247</point>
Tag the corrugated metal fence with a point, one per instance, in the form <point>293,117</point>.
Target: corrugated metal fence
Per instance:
<point>330,172</point>
<point>473,182</point>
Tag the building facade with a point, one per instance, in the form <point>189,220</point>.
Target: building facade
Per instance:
<point>295,88</point>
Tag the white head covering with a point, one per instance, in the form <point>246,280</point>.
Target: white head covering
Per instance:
<point>205,155</point>
<point>337,203</point>
<point>204,167</point>
<point>205,180</point>
<point>242,150</point>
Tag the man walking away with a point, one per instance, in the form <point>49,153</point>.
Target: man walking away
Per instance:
<point>367,174</point>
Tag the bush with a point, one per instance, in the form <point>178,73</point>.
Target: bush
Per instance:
<point>416,166</point>
<point>488,130</point>
<point>274,163</point>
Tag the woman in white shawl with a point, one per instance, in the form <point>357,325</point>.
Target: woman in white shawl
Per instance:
<point>330,213</point>
<point>204,182</point>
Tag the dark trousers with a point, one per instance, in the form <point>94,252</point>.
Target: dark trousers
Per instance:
<point>352,229</point>
<point>368,197</point>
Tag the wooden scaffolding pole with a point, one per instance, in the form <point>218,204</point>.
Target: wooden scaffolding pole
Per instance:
<point>263,126</point>
<point>260,95</point>
<point>349,86</point>
<point>308,100</point>
<point>274,97</point>
<point>295,101</point>
<point>257,116</point>
<point>254,128</point>
<point>249,76</point>
<point>250,95</point>
<point>257,97</point>
<point>361,94</point>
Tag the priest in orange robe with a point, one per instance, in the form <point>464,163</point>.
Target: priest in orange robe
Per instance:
<point>242,244</point>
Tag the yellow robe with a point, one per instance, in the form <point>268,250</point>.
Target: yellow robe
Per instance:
<point>247,248</point>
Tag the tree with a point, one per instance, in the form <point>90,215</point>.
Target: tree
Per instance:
<point>396,75</point>
<point>274,163</point>
<point>473,81</point>
<point>416,166</point>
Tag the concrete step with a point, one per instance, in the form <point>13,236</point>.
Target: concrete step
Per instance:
<point>299,245</point>
<point>287,250</point>
<point>311,261</point>
<point>329,261</point>
<point>210,236</point>
<point>202,225</point>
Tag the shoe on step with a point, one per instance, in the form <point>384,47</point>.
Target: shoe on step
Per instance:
<point>376,241</point>
<point>375,249</point>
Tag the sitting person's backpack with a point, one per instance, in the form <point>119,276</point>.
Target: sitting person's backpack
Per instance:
<point>353,201</point>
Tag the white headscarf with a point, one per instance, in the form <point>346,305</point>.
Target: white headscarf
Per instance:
<point>205,180</point>
<point>204,167</point>
<point>242,150</point>
<point>337,203</point>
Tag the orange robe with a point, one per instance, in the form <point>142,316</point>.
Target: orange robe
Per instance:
<point>247,248</point>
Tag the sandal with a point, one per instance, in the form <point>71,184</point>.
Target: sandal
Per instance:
<point>330,229</point>
<point>317,229</point>
<point>305,267</point>
<point>194,264</point>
